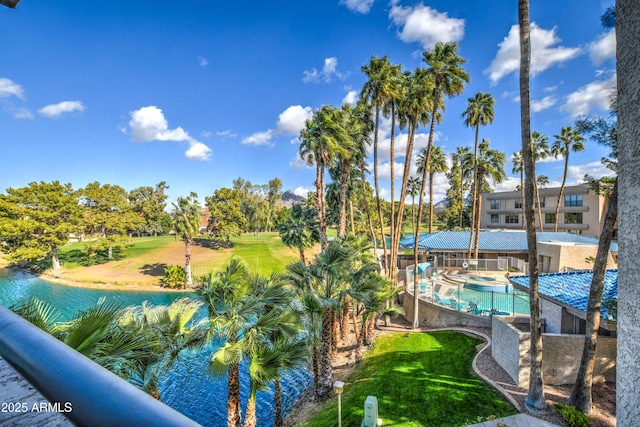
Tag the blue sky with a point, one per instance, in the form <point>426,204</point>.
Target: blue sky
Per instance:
<point>199,93</point>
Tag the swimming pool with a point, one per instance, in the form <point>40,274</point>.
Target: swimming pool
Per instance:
<point>186,387</point>
<point>484,283</point>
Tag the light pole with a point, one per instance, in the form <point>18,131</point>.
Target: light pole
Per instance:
<point>338,386</point>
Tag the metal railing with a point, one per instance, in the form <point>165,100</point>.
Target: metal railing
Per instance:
<point>85,392</point>
<point>478,302</point>
<point>499,264</point>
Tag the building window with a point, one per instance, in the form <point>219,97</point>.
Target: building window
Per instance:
<point>573,218</point>
<point>573,200</point>
<point>511,218</point>
<point>545,263</point>
<point>495,218</point>
<point>518,203</point>
<point>549,218</point>
<point>541,202</point>
<point>495,204</point>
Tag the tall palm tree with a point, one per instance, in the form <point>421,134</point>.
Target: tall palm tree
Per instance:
<point>329,270</point>
<point>518,167</point>
<point>449,77</point>
<point>376,91</point>
<point>237,302</point>
<point>568,140</point>
<point>300,229</point>
<point>479,112</point>
<point>490,165</point>
<point>464,159</point>
<point>438,164</point>
<point>539,151</point>
<point>535,400</point>
<point>186,222</point>
<point>413,186</point>
<point>318,144</point>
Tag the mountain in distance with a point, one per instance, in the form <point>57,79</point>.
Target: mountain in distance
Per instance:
<point>289,198</point>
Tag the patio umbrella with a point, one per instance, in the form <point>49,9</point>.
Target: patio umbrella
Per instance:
<point>423,266</point>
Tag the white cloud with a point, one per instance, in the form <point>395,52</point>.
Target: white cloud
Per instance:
<point>259,138</point>
<point>56,110</point>
<point>425,25</point>
<point>290,122</point>
<point>18,112</point>
<point>350,98</point>
<point>544,53</point>
<point>508,184</point>
<point>595,95</point>
<point>10,88</point>
<point>303,191</point>
<point>329,70</point>
<point>203,62</point>
<point>550,88</point>
<point>603,48</point>
<point>360,6</point>
<point>543,104</point>
<point>149,124</point>
<point>226,134</point>
<point>297,163</point>
<point>576,173</point>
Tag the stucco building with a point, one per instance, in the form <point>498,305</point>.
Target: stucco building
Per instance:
<point>582,211</point>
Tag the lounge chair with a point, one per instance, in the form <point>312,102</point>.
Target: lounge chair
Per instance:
<point>474,309</point>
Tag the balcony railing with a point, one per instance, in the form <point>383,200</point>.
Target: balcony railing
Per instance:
<point>83,391</point>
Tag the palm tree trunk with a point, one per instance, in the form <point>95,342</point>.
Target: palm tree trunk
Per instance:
<point>344,319</point>
<point>250,416</point>
<point>334,333</point>
<point>355,324</point>
<point>431,202</point>
<point>564,179</point>
<point>475,190</point>
<point>315,367</point>
<point>278,420</point>
<point>541,223</point>
<point>377,187</point>
<point>302,258</point>
<point>187,264</point>
<point>325,379</point>
<point>393,266</point>
<point>475,254</point>
<point>371,322</point>
<point>344,183</point>
<point>581,394</point>
<point>322,213</point>
<point>535,400</point>
<point>353,225</point>
<point>233,400</point>
<point>522,198</point>
<point>360,345</point>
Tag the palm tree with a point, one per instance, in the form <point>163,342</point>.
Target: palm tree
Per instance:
<point>413,186</point>
<point>317,146</point>
<point>464,159</point>
<point>490,165</point>
<point>300,229</point>
<point>518,167</point>
<point>438,164</point>
<point>535,400</point>
<point>186,223</point>
<point>242,311</point>
<point>539,151</point>
<point>449,77</point>
<point>479,112</point>
<point>568,140</point>
<point>377,90</point>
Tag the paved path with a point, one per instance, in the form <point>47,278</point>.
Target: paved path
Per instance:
<point>520,420</point>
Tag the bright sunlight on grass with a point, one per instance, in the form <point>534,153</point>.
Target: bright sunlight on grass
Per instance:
<point>420,379</point>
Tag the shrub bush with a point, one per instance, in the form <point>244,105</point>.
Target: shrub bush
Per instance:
<point>174,277</point>
<point>572,416</point>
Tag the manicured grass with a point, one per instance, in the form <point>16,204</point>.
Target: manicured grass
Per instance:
<point>263,253</point>
<point>420,379</point>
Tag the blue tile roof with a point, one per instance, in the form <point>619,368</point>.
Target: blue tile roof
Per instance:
<point>493,241</point>
<point>572,288</point>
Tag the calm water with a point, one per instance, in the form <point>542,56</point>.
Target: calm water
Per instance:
<point>186,387</point>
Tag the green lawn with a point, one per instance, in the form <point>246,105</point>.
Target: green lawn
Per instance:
<point>420,379</point>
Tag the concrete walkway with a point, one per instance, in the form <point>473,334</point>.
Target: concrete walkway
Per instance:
<point>520,420</point>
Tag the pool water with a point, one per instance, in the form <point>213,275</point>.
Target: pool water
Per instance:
<point>186,387</point>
